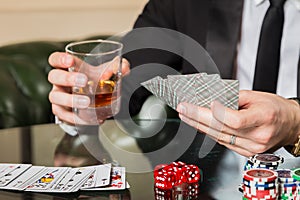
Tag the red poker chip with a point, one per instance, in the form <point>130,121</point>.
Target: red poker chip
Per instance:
<point>260,175</point>
<point>260,192</point>
<point>259,195</point>
<point>255,198</point>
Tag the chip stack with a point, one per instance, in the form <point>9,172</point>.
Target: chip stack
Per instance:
<point>168,178</point>
<point>296,175</point>
<point>260,184</point>
<point>287,185</point>
<point>266,161</point>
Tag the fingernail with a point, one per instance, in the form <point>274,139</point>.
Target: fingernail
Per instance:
<point>181,109</point>
<point>67,60</point>
<point>80,80</point>
<point>81,101</point>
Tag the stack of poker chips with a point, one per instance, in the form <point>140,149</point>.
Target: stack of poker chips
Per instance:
<point>266,161</point>
<point>287,185</point>
<point>170,179</point>
<point>296,175</point>
<point>260,184</point>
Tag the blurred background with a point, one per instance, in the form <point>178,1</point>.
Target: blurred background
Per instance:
<point>65,19</point>
<point>22,65</point>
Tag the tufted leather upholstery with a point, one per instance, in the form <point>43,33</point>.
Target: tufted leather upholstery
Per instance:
<point>24,86</point>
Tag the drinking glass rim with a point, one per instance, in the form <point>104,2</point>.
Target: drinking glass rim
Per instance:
<point>93,41</point>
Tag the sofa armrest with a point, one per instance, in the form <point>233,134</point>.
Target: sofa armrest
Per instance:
<point>23,83</point>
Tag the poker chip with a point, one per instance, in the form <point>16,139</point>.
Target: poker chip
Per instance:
<point>296,174</point>
<point>263,180</point>
<point>259,183</point>
<point>268,159</point>
<point>250,198</point>
<point>265,161</point>
<point>260,175</point>
<point>287,184</point>
<point>259,186</point>
<point>285,176</point>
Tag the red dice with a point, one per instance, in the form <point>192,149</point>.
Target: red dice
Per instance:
<point>176,173</point>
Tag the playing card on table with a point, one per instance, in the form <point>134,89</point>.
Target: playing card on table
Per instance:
<point>75,181</point>
<point>117,181</point>
<point>50,176</point>
<point>12,173</point>
<point>64,181</point>
<point>6,168</point>
<point>100,178</point>
<point>25,178</point>
<point>199,89</point>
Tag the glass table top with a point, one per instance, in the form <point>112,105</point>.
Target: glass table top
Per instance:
<point>137,145</point>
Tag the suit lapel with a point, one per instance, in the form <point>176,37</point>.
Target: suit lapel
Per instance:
<point>223,33</point>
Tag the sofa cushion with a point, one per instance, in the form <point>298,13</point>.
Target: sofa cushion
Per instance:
<point>23,83</point>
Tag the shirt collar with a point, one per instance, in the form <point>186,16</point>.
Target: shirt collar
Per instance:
<point>295,2</point>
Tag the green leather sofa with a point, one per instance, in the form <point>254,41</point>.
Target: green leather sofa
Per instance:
<point>24,85</point>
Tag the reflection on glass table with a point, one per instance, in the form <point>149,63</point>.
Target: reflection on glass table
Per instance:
<point>138,145</point>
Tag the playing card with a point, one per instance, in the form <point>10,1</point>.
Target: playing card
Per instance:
<point>183,88</point>
<point>6,168</point>
<point>13,173</point>
<point>160,88</point>
<point>199,89</point>
<point>117,181</point>
<point>75,182</point>
<point>51,176</point>
<point>232,94</point>
<point>64,181</point>
<point>100,178</point>
<point>208,89</point>
<point>25,178</point>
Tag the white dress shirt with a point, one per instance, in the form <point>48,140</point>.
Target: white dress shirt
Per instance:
<point>232,164</point>
<point>253,15</point>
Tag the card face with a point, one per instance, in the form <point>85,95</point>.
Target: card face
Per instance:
<point>118,178</point>
<point>64,181</point>
<point>51,176</point>
<point>13,174</point>
<point>117,181</point>
<point>100,178</point>
<point>80,176</point>
<point>25,178</point>
<point>6,168</point>
<point>103,175</point>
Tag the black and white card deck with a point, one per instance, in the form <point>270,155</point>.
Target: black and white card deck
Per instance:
<point>199,89</point>
<point>26,177</point>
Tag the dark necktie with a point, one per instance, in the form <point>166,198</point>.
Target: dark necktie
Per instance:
<point>268,54</point>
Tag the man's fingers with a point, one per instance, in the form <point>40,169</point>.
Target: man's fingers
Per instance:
<point>125,67</point>
<point>68,100</point>
<point>67,79</point>
<point>200,114</point>
<point>61,60</point>
<point>236,119</point>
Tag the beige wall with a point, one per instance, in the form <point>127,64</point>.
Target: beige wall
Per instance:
<point>65,19</point>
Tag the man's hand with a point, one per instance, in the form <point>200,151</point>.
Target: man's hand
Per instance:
<point>62,80</point>
<point>264,122</point>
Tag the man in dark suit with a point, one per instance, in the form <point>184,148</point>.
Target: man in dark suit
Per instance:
<point>264,121</point>
<point>229,31</point>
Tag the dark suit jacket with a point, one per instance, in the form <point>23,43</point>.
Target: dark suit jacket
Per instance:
<point>215,24</point>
